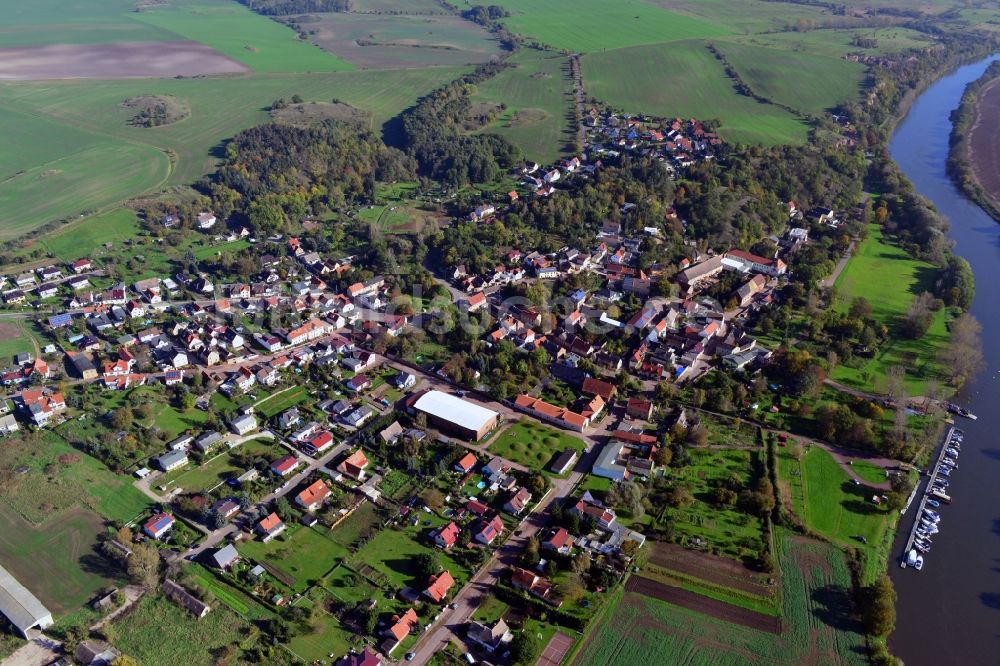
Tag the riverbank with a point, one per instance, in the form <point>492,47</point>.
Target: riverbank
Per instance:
<point>955,595</point>
<point>974,144</point>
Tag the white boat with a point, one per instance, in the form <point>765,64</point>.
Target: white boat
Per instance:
<point>933,503</point>
<point>919,564</point>
<point>911,557</point>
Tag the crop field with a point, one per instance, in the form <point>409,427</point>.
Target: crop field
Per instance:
<point>837,43</point>
<point>728,531</point>
<point>190,641</point>
<point>538,93</point>
<point>901,279</point>
<point>686,80</point>
<point>816,628</point>
<point>50,170</point>
<point>593,25</point>
<point>808,83</point>
<point>235,31</point>
<point>532,444</point>
<point>399,40</point>
<point>42,476</point>
<point>828,502</point>
<point>80,22</point>
<point>747,16</point>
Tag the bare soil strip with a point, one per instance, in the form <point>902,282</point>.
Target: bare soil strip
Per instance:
<point>984,142</point>
<point>706,605</point>
<point>711,568</point>
<point>124,60</point>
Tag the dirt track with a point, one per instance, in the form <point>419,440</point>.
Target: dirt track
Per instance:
<point>706,605</point>
<point>125,60</point>
<point>984,142</point>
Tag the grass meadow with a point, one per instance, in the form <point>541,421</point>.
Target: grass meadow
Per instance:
<point>532,444</point>
<point>684,79</point>
<point>900,279</point>
<point>828,502</point>
<point>235,31</point>
<point>595,25</point>
<point>817,625</point>
<point>809,83</point>
<point>140,633</point>
<point>538,93</point>
<point>302,554</point>
<point>14,339</point>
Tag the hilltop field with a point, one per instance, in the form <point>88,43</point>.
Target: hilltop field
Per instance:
<point>76,153</point>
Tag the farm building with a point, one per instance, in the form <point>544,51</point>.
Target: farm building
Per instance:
<point>460,417</point>
<point>20,606</point>
<point>171,460</point>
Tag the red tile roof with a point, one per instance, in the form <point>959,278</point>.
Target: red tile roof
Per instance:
<point>439,585</point>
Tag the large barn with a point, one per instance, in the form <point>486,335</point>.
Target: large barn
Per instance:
<point>20,606</point>
<point>457,416</point>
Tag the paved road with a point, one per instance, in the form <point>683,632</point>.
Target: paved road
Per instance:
<point>832,279</point>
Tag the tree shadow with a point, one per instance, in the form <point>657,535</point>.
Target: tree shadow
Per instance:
<point>992,453</point>
<point>98,565</point>
<point>834,608</point>
<point>990,600</point>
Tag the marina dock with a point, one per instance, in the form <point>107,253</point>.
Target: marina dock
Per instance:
<point>929,492</point>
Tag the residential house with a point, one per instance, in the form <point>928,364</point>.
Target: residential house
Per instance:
<point>319,443</point>
<point>558,540</point>
<point>288,418</point>
<point>358,383</point>
<point>42,406</point>
<point>404,380</point>
<point>486,531</point>
<point>313,497</point>
<point>518,501</point>
<point>269,527</point>
<point>438,586</point>
<point>226,508</point>
<point>367,657</point>
<point>157,526</point>
<point>533,584</point>
<point>447,535</point>
<point>560,416</point>
<point>225,557</point>
<point>206,220</point>
<point>207,441</point>
<point>243,424</point>
<point>563,462</point>
<point>399,629</point>
<point>354,465</point>
<point>466,464</point>
<point>171,460</point>
<point>490,637</point>
<point>639,408</point>
<point>284,465</point>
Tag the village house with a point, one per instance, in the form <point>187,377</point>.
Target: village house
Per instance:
<point>490,637</point>
<point>313,497</point>
<point>354,465</point>
<point>447,535</point>
<point>284,465</point>
<point>157,526</point>
<point>438,586</point>
<point>269,527</point>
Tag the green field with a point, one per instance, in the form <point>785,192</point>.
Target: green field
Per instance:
<point>327,637</point>
<point>837,43</point>
<point>729,531</point>
<point>595,25</point>
<point>900,279</point>
<point>538,93</point>
<point>79,22</point>
<point>71,148</point>
<point>747,16</point>
<point>55,477</point>
<point>51,171</point>
<point>14,339</point>
<point>827,501</point>
<point>817,628</point>
<point>390,555</point>
<point>223,466</point>
<point>304,554</point>
<point>281,401</point>
<point>57,561</point>
<point>684,79</point>
<point>235,31</point>
<point>86,237</point>
<point>189,641</point>
<point>808,83</point>
<point>532,444</point>
<point>392,40</point>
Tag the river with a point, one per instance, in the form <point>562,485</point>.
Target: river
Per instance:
<point>949,613</point>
